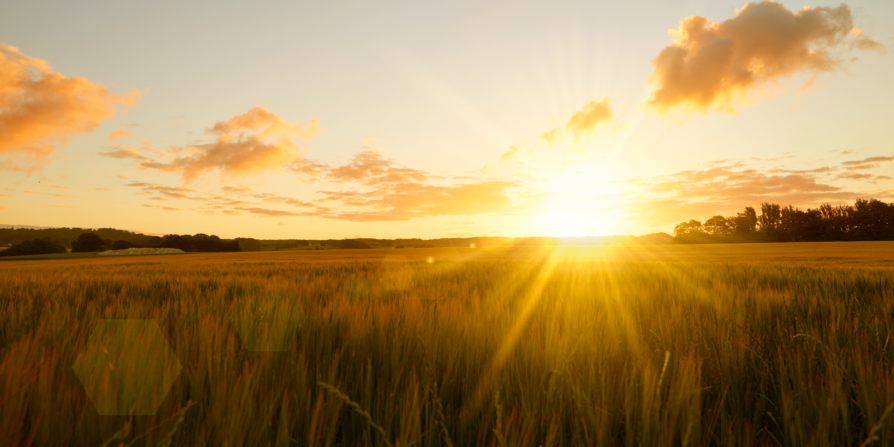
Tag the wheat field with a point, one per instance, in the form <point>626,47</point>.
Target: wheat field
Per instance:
<point>749,344</point>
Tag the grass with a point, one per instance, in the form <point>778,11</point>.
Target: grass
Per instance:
<point>757,344</point>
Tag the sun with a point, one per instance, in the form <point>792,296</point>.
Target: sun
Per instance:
<point>583,202</point>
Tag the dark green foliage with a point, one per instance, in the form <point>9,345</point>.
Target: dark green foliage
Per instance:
<point>34,247</point>
<point>352,243</point>
<point>200,242</point>
<point>121,245</point>
<point>109,238</point>
<point>248,244</point>
<point>64,236</point>
<point>866,220</point>
<point>87,242</point>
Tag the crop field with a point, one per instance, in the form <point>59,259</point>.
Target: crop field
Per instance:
<point>676,345</point>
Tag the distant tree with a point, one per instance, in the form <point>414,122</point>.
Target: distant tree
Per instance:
<point>176,241</point>
<point>34,247</point>
<point>248,244</point>
<point>121,245</point>
<point>230,246</point>
<point>718,226</point>
<point>770,221</point>
<point>205,243</point>
<point>745,224</point>
<point>87,242</point>
<point>865,220</point>
<point>399,246</point>
<point>351,243</point>
<point>691,228</point>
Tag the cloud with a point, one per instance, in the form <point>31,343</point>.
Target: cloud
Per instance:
<point>855,176</point>
<point>98,190</point>
<point>120,133</point>
<point>370,168</point>
<point>551,136</point>
<point>273,198</point>
<point>240,190</point>
<point>41,108</point>
<point>269,212</point>
<point>167,191</point>
<point>866,43</point>
<point>584,121</point>
<point>307,169</point>
<point>47,194</point>
<point>711,64</point>
<point>166,208</point>
<point>124,153</point>
<point>869,160</point>
<point>513,153</point>
<point>807,87</point>
<point>247,144</point>
<point>280,223</point>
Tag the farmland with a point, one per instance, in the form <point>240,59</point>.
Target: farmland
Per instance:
<point>740,344</point>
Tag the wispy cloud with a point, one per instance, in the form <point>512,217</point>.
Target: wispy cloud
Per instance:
<point>124,153</point>
<point>120,133</point>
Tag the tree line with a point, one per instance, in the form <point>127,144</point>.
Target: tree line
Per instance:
<point>865,220</point>
<point>87,242</point>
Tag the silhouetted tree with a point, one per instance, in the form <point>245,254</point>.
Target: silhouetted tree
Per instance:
<point>34,247</point>
<point>691,228</point>
<point>87,242</point>
<point>176,241</point>
<point>350,243</point>
<point>866,220</point>
<point>718,226</point>
<point>248,244</point>
<point>121,245</point>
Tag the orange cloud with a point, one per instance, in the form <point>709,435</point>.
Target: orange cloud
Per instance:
<point>123,152</point>
<point>710,64</point>
<point>584,121</point>
<point>247,144</point>
<point>552,135</point>
<point>121,133</point>
<point>41,108</point>
<point>513,153</point>
<point>370,168</point>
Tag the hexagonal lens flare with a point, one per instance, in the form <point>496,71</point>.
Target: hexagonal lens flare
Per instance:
<point>128,367</point>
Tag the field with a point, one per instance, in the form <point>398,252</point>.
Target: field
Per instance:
<point>749,344</point>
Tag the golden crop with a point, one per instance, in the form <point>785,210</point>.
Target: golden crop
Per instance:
<point>751,344</point>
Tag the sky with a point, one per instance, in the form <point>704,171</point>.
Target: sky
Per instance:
<point>388,119</point>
